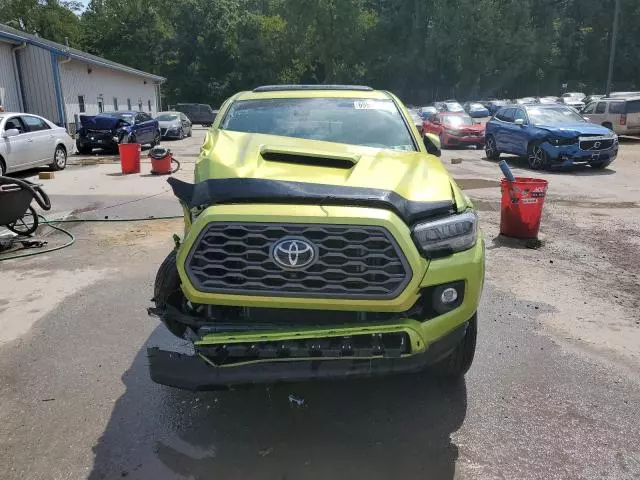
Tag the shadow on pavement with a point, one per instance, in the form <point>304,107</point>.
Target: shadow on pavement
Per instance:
<point>390,427</point>
<point>580,170</point>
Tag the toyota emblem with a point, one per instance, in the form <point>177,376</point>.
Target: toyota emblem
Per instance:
<point>293,253</point>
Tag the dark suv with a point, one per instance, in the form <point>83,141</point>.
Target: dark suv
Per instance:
<point>199,113</point>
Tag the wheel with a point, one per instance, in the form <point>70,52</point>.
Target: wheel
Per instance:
<point>190,132</point>
<point>25,225</point>
<point>458,362</point>
<point>537,157</point>
<point>479,146</point>
<point>59,158</point>
<point>491,148</point>
<point>3,168</point>
<point>601,165</point>
<point>607,125</point>
<point>156,139</point>
<point>181,135</point>
<point>167,291</point>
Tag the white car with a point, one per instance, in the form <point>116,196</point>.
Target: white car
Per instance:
<point>28,141</point>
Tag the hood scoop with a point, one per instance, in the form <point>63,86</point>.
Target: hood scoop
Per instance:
<point>313,159</point>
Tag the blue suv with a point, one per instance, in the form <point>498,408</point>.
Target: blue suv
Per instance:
<point>109,129</point>
<point>549,136</point>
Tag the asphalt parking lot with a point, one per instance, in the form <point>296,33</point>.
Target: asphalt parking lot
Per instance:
<point>554,392</point>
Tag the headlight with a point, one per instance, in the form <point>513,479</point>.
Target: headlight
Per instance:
<point>452,132</point>
<point>557,141</point>
<point>447,235</point>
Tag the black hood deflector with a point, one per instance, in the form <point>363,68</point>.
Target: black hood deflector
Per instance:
<point>258,190</point>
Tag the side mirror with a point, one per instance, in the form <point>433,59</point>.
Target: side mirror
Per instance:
<point>519,122</point>
<point>12,132</point>
<point>432,144</point>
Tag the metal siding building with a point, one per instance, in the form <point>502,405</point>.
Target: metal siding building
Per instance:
<point>9,94</point>
<point>59,83</point>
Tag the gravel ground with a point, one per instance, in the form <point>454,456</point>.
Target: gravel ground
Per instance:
<point>554,392</point>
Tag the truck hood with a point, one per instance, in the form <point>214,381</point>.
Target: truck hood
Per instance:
<point>416,176</point>
<point>98,122</point>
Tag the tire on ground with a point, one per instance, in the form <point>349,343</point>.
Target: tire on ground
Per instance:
<point>167,291</point>
<point>458,362</point>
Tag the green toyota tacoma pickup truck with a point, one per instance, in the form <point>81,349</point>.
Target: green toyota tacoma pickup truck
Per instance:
<point>323,239</point>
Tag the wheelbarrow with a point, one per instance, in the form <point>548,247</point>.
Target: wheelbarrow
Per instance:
<point>16,211</point>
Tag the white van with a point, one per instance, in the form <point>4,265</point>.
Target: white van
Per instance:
<point>622,115</point>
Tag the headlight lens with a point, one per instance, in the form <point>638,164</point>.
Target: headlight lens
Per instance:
<point>452,132</point>
<point>447,235</point>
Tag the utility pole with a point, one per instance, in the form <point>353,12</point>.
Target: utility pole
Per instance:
<point>612,53</point>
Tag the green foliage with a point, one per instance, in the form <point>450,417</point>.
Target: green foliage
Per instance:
<point>421,49</point>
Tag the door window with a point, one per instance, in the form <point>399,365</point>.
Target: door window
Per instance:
<point>14,123</point>
<point>519,115</point>
<point>506,115</point>
<point>633,107</point>
<point>140,118</point>
<point>589,108</point>
<point>601,107</point>
<point>35,124</point>
<point>616,107</point>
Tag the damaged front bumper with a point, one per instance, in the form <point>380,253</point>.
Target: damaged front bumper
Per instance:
<point>196,372</point>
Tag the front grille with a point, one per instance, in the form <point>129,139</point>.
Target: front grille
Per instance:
<point>596,144</point>
<point>352,261</point>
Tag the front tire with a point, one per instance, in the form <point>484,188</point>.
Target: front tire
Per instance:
<point>455,365</point>
<point>156,139</point>
<point>59,158</point>
<point>167,291</point>
<point>537,157</point>
<point>491,148</point>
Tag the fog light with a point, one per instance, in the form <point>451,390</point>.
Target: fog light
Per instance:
<point>449,295</point>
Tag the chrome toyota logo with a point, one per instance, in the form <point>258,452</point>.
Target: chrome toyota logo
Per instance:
<point>293,253</point>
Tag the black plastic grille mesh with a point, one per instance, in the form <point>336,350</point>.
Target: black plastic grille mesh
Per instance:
<point>352,261</point>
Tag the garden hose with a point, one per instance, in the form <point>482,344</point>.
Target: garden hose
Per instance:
<point>72,238</point>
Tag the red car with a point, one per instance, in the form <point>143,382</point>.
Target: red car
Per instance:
<point>455,129</point>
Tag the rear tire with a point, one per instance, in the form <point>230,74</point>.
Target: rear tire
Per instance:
<point>59,159</point>
<point>457,363</point>
<point>167,291</point>
<point>491,148</point>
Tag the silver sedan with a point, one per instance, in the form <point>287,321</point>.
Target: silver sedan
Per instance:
<point>174,125</point>
<point>28,141</point>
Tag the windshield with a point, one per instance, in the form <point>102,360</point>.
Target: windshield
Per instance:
<point>166,117</point>
<point>549,116</point>
<point>354,121</point>
<point>477,106</point>
<point>457,120</point>
<point>127,117</point>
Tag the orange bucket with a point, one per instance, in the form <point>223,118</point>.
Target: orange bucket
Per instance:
<point>521,207</point>
<point>129,157</point>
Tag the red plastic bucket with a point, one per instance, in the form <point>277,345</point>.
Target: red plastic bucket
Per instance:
<point>129,157</point>
<point>521,206</point>
<point>161,166</point>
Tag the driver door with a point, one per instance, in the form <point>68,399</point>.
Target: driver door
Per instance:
<point>17,151</point>
<point>520,133</point>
